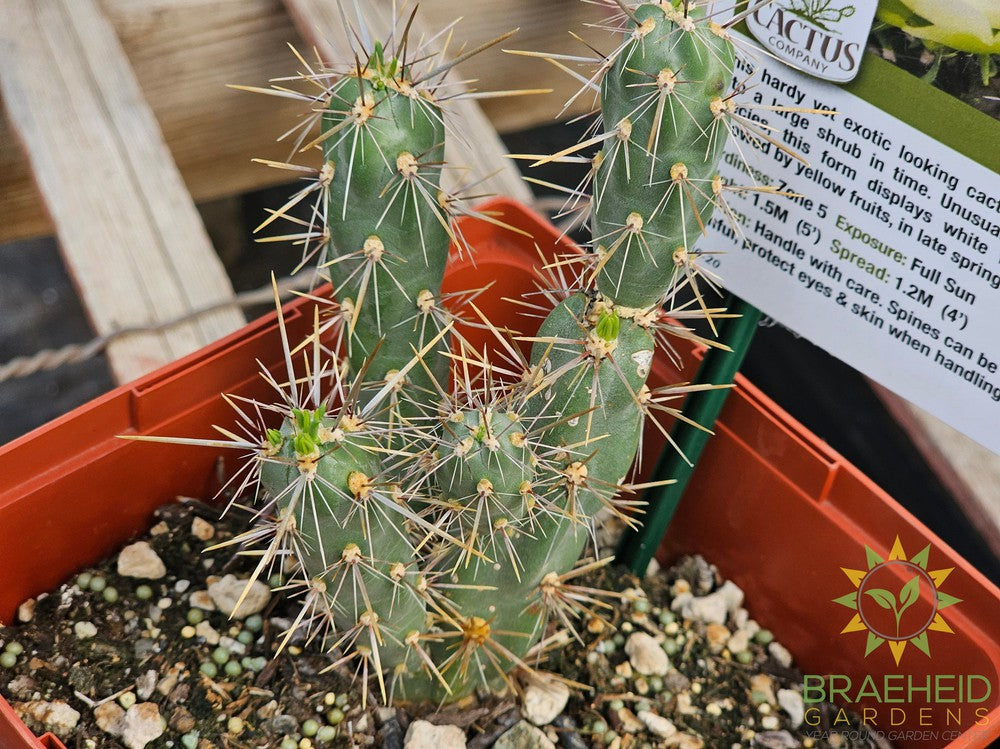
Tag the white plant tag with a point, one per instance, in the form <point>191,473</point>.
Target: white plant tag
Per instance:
<point>824,38</point>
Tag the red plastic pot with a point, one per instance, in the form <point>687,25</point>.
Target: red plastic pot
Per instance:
<point>773,507</point>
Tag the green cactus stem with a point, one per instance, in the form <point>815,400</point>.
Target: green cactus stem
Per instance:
<point>660,103</point>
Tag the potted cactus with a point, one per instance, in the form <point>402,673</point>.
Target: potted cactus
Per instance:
<point>432,501</point>
<point>400,492</point>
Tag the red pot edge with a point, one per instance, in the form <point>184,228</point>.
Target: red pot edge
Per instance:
<point>12,726</point>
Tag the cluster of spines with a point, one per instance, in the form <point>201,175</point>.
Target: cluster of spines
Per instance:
<point>436,526</point>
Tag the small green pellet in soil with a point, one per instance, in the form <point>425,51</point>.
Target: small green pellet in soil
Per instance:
<point>98,584</point>
<point>209,669</point>
<point>326,734</point>
<point>599,727</point>
<point>83,580</point>
<point>7,660</point>
<point>233,669</point>
<point>143,592</point>
<point>195,616</point>
<point>110,595</point>
<point>190,740</point>
<point>744,657</point>
<point>14,647</point>
<point>334,716</point>
<point>221,655</point>
<point>310,727</point>
<point>764,637</point>
<point>254,623</point>
<point>245,637</point>
<point>289,743</point>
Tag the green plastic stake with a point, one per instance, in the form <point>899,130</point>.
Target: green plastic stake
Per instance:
<point>719,367</point>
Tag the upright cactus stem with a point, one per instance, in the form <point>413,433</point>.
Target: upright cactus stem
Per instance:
<point>384,144</point>
<point>652,189</point>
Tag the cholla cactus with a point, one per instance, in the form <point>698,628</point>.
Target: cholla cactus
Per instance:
<point>433,508</point>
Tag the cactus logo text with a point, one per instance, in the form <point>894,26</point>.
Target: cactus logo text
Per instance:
<point>897,602</point>
<point>824,38</point>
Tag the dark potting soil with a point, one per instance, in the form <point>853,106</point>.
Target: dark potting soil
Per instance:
<point>103,647</point>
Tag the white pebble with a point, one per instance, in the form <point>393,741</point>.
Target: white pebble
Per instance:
<point>142,723</point>
<point>206,631</point>
<point>84,630</point>
<point>646,655</point>
<point>770,723</point>
<point>544,699</point>
<point>56,716</point>
<point>792,703</point>
<point>424,735</point>
<point>26,611</point>
<point>657,724</point>
<point>140,561</point>
<point>780,653</point>
<point>202,529</point>
<point>226,593</point>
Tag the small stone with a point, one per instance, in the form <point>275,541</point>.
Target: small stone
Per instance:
<point>739,641</point>
<point>56,716</point>
<point>159,529</point>
<point>628,720</point>
<point>206,631</point>
<point>226,594</point>
<point>685,706</point>
<point>84,630</point>
<point>139,560</point>
<point>775,740</point>
<point>657,724</point>
<point>424,735</point>
<point>708,609</point>
<point>169,681</point>
<point>267,710</point>
<point>523,735</point>
<point>544,699</point>
<point>717,636</point>
<point>26,611</point>
<point>686,741</point>
<point>646,655</point>
<point>202,529</point>
<point>145,684</point>
<point>141,724</point>
<point>792,703</point>
<point>200,599</point>
<point>770,722</point>
<point>762,689</point>
<point>109,717</point>
<point>780,654</point>
<point>22,687</point>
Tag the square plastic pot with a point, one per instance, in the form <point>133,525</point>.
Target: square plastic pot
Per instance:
<point>773,507</point>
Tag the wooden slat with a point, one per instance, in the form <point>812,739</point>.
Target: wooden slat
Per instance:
<point>130,234</point>
<point>183,52</point>
<point>481,152</point>
<point>969,471</point>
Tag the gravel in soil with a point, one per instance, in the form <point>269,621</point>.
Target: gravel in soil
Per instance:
<point>109,660</point>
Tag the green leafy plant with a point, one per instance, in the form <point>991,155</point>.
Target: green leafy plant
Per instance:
<point>908,595</point>
<point>433,505</point>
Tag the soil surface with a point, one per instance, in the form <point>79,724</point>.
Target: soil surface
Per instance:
<point>113,661</point>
